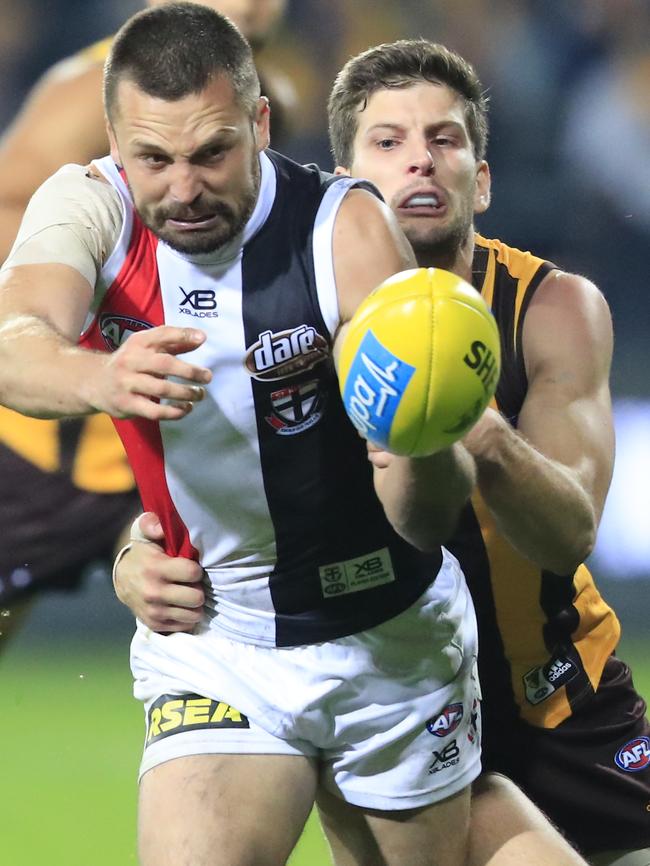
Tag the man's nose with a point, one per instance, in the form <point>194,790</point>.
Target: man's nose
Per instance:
<point>186,184</point>
<point>421,161</point>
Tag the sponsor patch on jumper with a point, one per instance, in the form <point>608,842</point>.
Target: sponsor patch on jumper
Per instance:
<point>447,721</point>
<point>285,353</point>
<point>541,682</point>
<point>174,714</point>
<point>634,755</point>
<point>354,575</point>
<point>295,408</point>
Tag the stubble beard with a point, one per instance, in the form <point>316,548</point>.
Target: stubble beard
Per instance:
<point>197,242</point>
<point>441,246</point>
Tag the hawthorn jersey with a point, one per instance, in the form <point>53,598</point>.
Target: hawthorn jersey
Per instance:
<point>266,483</point>
<point>545,637</point>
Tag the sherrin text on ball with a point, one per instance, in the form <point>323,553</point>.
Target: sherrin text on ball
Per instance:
<point>420,362</point>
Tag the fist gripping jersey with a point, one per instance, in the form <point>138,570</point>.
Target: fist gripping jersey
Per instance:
<point>266,482</point>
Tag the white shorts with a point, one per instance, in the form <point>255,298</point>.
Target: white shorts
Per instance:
<point>391,714</point>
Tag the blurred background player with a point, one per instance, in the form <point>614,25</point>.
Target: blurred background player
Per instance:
<point>67,490</point>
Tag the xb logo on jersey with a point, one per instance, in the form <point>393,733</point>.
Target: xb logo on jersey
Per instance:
<point>199,302</point>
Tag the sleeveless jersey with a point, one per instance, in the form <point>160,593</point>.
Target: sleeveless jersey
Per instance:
<point>266,483</point>
<point>544,638</point>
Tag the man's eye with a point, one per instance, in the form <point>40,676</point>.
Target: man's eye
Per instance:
<point>153,159</point>
<point>386,143</point>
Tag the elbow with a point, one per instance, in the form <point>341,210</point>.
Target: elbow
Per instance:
<point>566,558</point>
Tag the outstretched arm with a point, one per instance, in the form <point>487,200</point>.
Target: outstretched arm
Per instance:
<point>422,497</point>
<point>546,482</point>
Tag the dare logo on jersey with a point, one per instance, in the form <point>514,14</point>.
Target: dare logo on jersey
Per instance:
<point>116,329</point>
<point>447,721</point>
<point>287,353</point>
<point>173,714</point>
<point>634,755</point>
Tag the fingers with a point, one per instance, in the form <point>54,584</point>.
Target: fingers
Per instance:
<point>169,339</point>
<point>165,593</point>
<point>147,527</point>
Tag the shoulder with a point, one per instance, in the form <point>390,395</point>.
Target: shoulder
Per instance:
<point>77,189</point>
<point>568,314</point>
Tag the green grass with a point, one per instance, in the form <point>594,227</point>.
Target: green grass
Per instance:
<point>71,739</point>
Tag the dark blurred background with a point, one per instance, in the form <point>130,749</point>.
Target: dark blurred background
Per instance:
<point>569,86</point>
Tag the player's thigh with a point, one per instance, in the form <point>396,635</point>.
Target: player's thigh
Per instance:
<point>507,828</point>
<point>224,810</point>
<point>435,835</point>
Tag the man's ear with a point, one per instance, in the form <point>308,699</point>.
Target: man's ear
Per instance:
<point>262,127</point>
<point>115,152</point>
<point>482,192</point>
<point>339,171</point>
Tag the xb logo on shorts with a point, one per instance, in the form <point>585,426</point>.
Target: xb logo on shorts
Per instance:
<point>375,385</point>
<point>174,714</point>
<point>445,758</point>
<point>634,755</point>
<point>447,721</point>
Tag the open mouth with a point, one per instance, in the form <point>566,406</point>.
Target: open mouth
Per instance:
<point>423,203</point>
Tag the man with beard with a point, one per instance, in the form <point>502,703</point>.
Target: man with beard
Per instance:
<point>68,492</point>
<point>560,714</point>
<point>283,687</point>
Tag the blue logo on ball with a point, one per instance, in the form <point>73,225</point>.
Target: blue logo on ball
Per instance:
<point>376,383</point>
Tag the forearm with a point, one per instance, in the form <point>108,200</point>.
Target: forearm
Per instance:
<point>539,504</point>
<point>422,497</point>
<point>43,374</point>
<point>10,217</point>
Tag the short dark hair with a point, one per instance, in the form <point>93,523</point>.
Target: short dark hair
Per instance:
<point>401,64</point>
<point>176,49</point>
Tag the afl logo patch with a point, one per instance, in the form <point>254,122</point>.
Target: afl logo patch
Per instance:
<point>447,721</point>
<point>116,329</point>
<point>634,755</point>
<point>287,353</point>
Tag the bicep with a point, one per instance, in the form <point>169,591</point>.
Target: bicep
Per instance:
<point>55,294</point>
<point>566,414</point>
<point>368,247</point>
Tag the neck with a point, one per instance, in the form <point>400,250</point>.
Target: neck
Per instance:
<point>458,260</point>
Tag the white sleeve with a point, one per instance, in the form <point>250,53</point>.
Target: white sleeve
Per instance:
<point>72,219</point>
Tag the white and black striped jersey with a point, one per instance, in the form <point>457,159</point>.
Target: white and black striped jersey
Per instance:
<point>266,483</point>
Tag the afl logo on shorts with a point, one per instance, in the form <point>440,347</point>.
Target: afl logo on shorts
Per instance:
<point>634,755</point>
<point>447,721</point>
<point>116,329</point>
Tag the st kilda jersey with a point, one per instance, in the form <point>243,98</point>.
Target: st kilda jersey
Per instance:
<point>544,638</point>
<point>266,483</point>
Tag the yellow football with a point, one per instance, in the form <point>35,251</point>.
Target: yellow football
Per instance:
<point>419,362</point>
